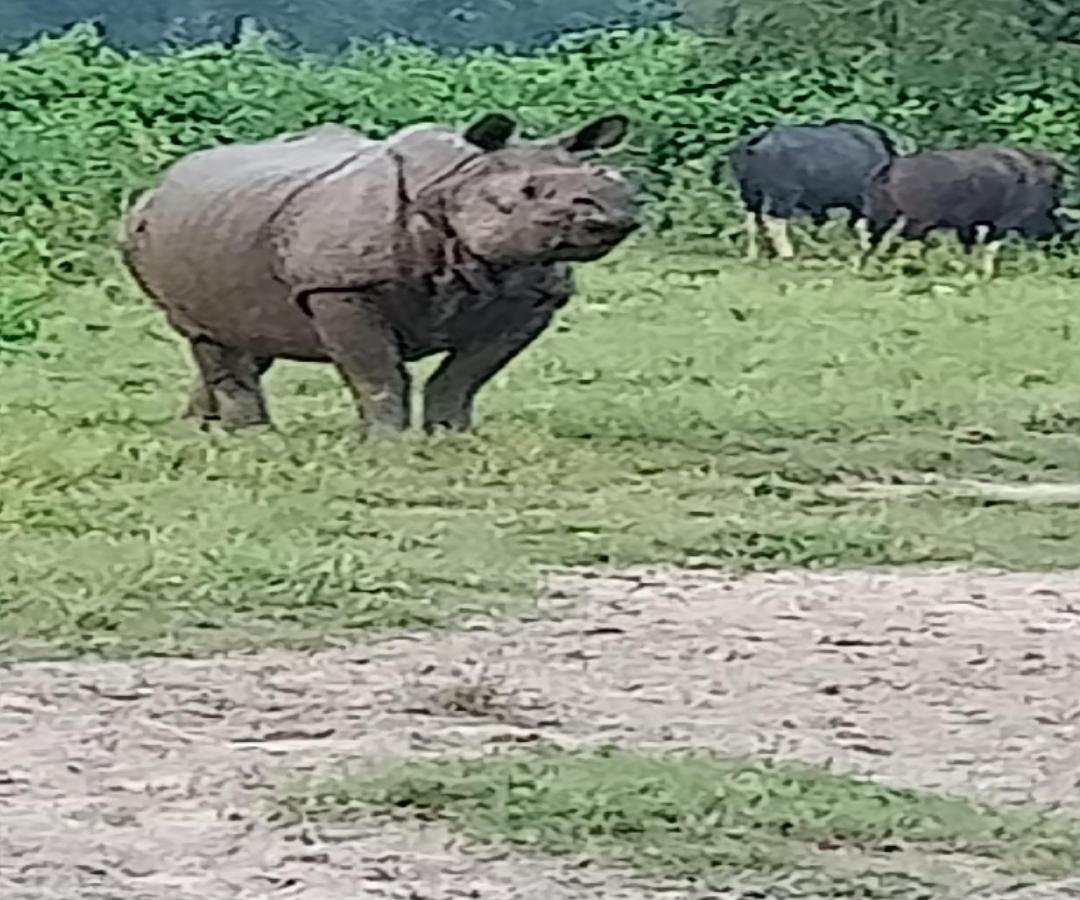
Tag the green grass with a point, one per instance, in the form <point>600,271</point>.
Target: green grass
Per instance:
<point>710,819</point>
<point>685,410</point>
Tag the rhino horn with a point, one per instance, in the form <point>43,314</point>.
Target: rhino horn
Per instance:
<point>491,132</point>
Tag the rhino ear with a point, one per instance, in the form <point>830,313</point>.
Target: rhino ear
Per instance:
<point>600,134</point>
<point>491,132</point>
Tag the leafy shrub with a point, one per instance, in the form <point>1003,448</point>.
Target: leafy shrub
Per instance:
<point>20,311</point>
<point>85,126</point>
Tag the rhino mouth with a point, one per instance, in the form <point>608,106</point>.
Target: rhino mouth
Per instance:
<point>595,240</point>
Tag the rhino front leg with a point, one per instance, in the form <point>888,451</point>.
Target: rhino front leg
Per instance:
<point>366,352</point>
<point>228,386</point>
<point>450,391</point>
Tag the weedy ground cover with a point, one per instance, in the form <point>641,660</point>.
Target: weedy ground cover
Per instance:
<point>686,409</point>
<point>712,820</point>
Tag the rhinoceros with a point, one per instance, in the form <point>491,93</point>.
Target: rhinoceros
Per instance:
<point>328,246</point>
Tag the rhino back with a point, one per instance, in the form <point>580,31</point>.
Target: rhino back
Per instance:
<point>229,192</point>
<point>197,242</point>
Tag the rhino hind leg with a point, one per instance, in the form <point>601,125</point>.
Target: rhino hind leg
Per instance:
<point>366,352</point>
<point>451,389</point>
<point>228,387</point>
<point>203,405</point>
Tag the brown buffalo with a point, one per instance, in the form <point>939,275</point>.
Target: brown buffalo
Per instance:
<point>327,246</point>
<point>980,193</point>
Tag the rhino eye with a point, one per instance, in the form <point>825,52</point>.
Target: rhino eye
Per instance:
<point>529,191</point>
<point>499,202</point>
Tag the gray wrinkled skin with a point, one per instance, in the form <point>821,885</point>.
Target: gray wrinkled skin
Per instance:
<point>326,246</point>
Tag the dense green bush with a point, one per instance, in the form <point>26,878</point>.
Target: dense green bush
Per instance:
<point>84,125</point>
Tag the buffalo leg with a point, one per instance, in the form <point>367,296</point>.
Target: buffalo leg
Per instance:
<point>991,242</point>
<point>449,392</point>
<point>862,230</point>
<point>366,352</point>
<point>752,202</point>
<point>879,240</point>
<point>819,218</point>
<point>753,228</point>
<point>861,226</point>
<point>228,387</point>
<point>777,230</point>
<point>968,237</point>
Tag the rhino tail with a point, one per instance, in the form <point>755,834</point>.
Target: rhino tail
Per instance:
<point>131,224</point>
<point>132,218</point>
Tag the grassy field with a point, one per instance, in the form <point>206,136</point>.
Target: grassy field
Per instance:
<point>714,821</point>
<point>687,410</point>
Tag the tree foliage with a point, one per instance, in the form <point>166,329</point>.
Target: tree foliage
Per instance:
<point>327,25</point>
<point>910,26</point>
<point>946,51</point>
<point>86,125</point>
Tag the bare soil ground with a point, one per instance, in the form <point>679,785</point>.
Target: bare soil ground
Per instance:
<point>145,780</point>
<point>1050,492</point>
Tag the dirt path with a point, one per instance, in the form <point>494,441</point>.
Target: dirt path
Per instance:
<point>1046,492</point>
<point>137,781</point>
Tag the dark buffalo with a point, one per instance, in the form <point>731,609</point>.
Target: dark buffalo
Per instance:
<point>788,170</point>
<point>980,193</point>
